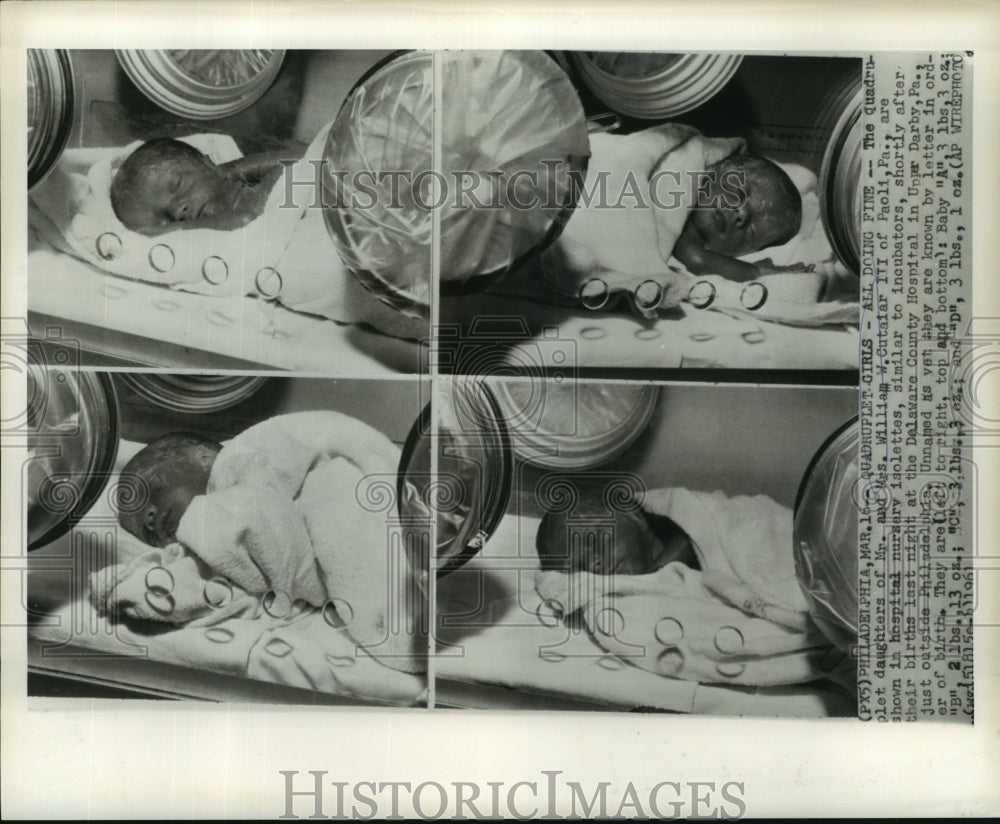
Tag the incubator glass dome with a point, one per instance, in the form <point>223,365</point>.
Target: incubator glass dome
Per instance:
<point>574,425</point>
<point>385,128</point>
<point>656,85</point>
<point>826,537</point>
<point>72,424</point>
<point>193,393</point>
<point>840,177</point>
<point>474,470</point>
<point>202,84</point>
<point>512,135</point>
<point>50,109</point>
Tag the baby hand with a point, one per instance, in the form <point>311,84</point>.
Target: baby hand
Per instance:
<point>769,267</point>
<point>553,588</point>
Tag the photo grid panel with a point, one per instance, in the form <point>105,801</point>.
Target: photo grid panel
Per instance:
<point>637,546</point>
<point>227,209</point>
<point>244,524</point>
<point>661,211</point>
<point>226,538</point>
<point>326,355</point>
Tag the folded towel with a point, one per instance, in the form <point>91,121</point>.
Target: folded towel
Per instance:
<point>287,515</point>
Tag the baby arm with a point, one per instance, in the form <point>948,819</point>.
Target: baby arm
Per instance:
<point>690,251</point>
<point>256,168</point>
<point>224,222</point>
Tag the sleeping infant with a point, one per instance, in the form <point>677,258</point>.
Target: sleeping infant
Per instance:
<point>672,198</point>
<point>745,204</point>
<point>640,542</point>
<point>694,585</point>
<point>167,184</point>
<point>276,512</point>
<point>174,470</point>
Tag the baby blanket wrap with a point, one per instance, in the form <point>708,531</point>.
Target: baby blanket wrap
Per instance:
<point>741,619</point>
<point>637,235</point>
<point>733,637</point>
<point>287,533</point>
<point>639,187</point>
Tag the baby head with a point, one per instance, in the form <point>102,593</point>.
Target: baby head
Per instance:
<point>173,470</point>
<point>591,538</point>
<point>746,204</point>
<point>167,181</point>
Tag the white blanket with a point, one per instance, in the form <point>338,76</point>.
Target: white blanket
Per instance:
<point>272,640</point>
<point>638,185</point>
<point>496,628</point>
<point>626,235</point>
<point>288,518</point>
<point>741,619</point>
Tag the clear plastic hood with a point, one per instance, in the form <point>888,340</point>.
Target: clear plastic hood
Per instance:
<point>203,84</point>
<point>73,420</point>
<point>826,537</point>
<point>50,109</point>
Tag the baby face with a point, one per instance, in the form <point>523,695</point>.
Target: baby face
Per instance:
<point>169,499</point>
<point>740,211</point>
<point>167,504</point>
<point>176,190</point>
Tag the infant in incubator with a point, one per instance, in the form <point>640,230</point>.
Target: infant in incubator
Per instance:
<point>167,182</point>
<point>641,542</point>
<point>682,197</point>
<point>745,205</point>
<point>172,470</point>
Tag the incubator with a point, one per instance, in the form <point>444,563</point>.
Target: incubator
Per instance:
<point>611,282</point>
<point>115,613</point>
<point>826,534</point>
<point>285,289</point>
<point>744,628</point>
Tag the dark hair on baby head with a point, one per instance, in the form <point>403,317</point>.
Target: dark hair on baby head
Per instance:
<point>590,508</point>
<point>159,463</point>
<point>145,161</point>
<point>788,193</point>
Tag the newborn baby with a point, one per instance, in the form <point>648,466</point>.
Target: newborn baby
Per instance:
<point>745,204</point>
<point>593,539</point>
<point>654,199</point>
<point>167,184</point>
<point>172,471</point>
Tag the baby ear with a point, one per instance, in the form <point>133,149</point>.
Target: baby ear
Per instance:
<point>205,456</point>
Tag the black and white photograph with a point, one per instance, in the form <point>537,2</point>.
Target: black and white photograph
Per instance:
<point>644,551</point>
<point>223,538</point>
<point>183,210</point>
<point>497,410</point>
<point>667,210</point>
